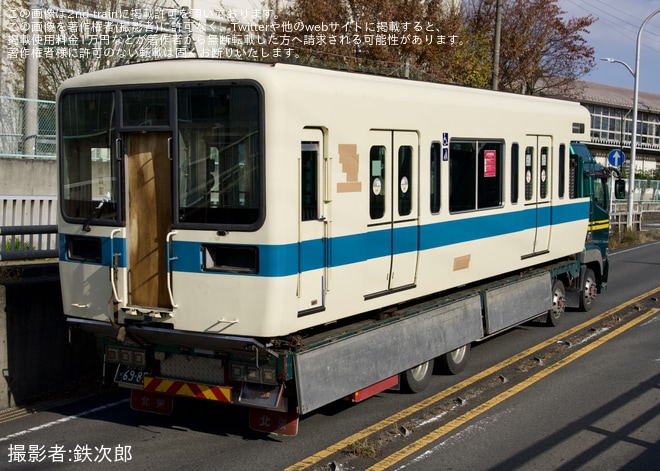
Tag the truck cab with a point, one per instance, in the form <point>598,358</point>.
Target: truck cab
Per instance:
<point>591,179</point>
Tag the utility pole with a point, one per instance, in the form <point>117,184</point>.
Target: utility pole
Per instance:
<point>31,93</point>
<point>496,48</point>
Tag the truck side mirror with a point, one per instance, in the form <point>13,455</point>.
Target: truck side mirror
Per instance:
<point>620,189</point>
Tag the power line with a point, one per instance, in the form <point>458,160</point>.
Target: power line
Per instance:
<point>622,22</point>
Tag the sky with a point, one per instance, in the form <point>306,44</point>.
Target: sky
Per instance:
<point>614,34</point>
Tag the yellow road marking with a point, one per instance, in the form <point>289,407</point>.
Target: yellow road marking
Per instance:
<point>389,421</point>
<point>452,425</point>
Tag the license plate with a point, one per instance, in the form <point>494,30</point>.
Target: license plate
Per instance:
<point>130,376</point>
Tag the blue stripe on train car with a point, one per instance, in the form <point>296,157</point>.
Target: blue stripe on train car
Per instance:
<point>289,259</point>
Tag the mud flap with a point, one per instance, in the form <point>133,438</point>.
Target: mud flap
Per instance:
<point>270,421</point>
<point>155,403</point>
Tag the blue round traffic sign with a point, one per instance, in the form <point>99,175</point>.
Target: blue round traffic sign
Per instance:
<point>616,158</point>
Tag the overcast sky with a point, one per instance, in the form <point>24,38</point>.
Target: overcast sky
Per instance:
<point>614,34</point>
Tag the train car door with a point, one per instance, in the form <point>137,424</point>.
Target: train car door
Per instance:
<point>538,189</point>
<point>312,223</point>
<point>392,231</point>
<point>149,214</point>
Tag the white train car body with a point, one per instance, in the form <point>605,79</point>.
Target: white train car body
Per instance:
<point>260,200</point>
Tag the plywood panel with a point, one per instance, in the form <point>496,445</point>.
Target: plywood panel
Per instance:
<point>149,216</point>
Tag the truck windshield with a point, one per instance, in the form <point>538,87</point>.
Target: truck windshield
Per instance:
<point>600,196</point>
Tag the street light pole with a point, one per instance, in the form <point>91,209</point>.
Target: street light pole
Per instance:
<point>633,142</point>
<point>633,151</point>
<point>631,177</point>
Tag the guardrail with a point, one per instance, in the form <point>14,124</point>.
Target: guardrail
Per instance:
<point>27,227</point>
<point>638,206</point>
<point>34,232</point>
<point>641,209</point>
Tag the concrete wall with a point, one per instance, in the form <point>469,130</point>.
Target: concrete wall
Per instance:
<point>39,355</point>
<point>28,177</point>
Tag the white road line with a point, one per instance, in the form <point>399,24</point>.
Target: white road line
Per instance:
<point>619,252</point>
<point>62,420</point>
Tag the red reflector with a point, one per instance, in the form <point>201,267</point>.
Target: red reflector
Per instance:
<point>369,391</point>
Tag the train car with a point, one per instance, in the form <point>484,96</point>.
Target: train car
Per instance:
<point>221,207</point>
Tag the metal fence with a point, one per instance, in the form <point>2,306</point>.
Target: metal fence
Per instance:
<point>27,128</point>
<point>647,190</point>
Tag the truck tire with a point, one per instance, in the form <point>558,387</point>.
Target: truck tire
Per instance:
<point>588,290</point>
<point>455,361</point>
<point>558,304</point>
<point>416,379</point>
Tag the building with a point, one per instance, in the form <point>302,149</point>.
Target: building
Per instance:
<point>611,124</point>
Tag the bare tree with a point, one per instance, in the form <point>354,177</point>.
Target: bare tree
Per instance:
<point>394,37</point>
<point>83,36</point>
<point>541,52</point>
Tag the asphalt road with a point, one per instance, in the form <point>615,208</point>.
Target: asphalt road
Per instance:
<point>585,395</point>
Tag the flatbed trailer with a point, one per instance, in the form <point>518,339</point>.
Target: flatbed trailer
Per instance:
<point>352,360</point>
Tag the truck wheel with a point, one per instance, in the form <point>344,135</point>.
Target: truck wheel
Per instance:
<point>558,304</point>
<point>588,291</point>
<point>455,361</point>
<point>416,379</point>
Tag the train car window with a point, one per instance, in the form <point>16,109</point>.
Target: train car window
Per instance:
<point>405,180</point>
<point>529,173</point>
<point>545,175</point>
<point>377,179</point>
<point>435,177</point>
<point>489,175</point>
<point>309,157</point>
<point>145,108</point>
<point>462,176</point>
<point>562,170</point>
<point>475,175</point>
<point>88,156</point>
<point>515,172</point>
<point>219,155</point>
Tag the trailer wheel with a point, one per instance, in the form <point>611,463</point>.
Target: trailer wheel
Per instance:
<point>588,291</point>
<point>558,304</point>
<point>455,361</point>
<point>416,379</point>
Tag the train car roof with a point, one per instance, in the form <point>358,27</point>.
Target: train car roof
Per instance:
<point>202,70</point>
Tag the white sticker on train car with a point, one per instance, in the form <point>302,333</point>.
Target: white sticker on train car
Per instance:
<point>376,187</point>
<point>404,185</point>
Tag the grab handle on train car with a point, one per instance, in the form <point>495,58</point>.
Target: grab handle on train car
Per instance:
<point>114,266</point>
<point>170,259</point>
<point>118,149</point>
